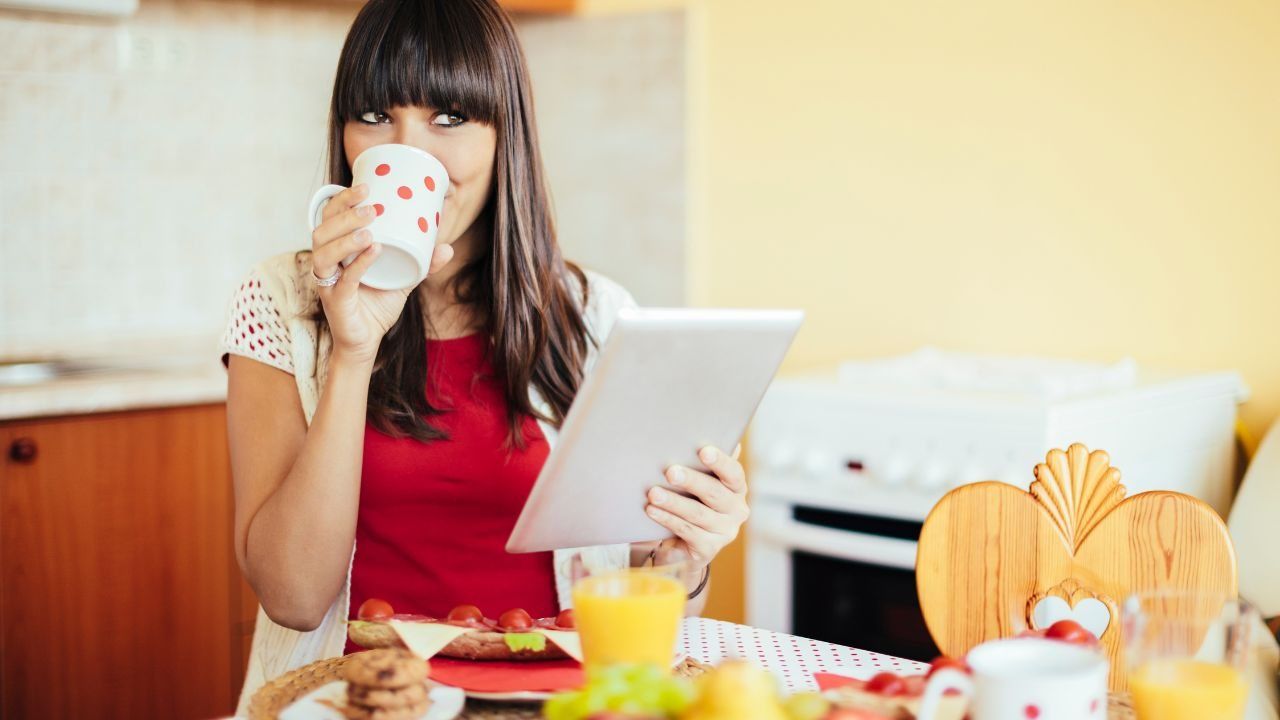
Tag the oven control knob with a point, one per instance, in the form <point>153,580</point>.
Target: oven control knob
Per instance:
<point>969,474</point>
<point>778,458</point>
<point>816,465</point>
<point>895,472</point>
<point>932,476</point>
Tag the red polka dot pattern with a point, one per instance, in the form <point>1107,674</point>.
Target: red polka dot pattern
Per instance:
<point>1031,711</point>
<point>378,209</point>
<point>430,182</point>
<point>382,169</point>
<point>422,224</point>
<point>437,219</point>
<point>404,192</point>
<point>792,659</point>
<point>255,329</point>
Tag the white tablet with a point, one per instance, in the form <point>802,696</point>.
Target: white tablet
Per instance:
<point>667,383</point>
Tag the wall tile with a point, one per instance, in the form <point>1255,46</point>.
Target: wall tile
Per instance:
<point>150,161</point>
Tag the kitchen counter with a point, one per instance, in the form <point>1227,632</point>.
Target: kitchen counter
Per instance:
<point>146,374</point>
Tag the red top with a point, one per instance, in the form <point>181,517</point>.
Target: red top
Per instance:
<point>434,517</point>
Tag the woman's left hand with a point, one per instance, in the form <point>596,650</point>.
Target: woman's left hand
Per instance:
<point>711,519</point>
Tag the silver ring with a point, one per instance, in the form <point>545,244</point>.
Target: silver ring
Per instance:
<point>329,281</point>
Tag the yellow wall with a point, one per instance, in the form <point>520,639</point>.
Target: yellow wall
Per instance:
<point>1090,179</point>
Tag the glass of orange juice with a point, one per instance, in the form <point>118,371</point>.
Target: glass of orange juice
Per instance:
<point>631,616</point>
<point>1187,654</point>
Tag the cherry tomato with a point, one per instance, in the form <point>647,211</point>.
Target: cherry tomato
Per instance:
<point>1070,631</point>
<point>942,662</point>
<point>374,609</point>
<point>887,684</point>
<point>517,620</point>
<point>565,619</point>
<point>465,613</point>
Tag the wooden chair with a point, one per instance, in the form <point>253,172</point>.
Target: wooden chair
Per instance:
<point>995,560</point>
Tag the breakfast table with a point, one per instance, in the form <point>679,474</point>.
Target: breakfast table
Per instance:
<point>704,642</point>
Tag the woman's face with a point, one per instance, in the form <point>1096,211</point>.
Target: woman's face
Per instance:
<point>465,148</point>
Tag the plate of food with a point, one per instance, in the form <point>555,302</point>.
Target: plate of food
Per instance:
<point>512,657</point>
<point>386,684</point>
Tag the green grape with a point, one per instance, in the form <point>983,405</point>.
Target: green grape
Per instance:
<point>806,706</point>
<point>648,698</point>
<point>565,706</point>
<point>676,696</point>
<point>638,689</point>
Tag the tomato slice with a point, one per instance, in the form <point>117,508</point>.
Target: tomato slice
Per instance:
<point>1070,631</point>
<point>565,620</point>
<point>515,620</point>
<point>465,615</point>
<point>374,609</point>
<point>887,684</point>
<point>942,662</point>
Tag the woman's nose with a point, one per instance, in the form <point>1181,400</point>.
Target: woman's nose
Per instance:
<point>412,135</point>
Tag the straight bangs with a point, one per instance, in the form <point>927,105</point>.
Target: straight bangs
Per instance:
<point>415,54</point>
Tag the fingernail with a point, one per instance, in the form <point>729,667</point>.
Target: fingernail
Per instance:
<point>676,476</point>
<point>652,512</point>
<point>658,495</point>
<point>362,188</point>
<point>708,455</point>
<point>365,236</point>
<point>365,210</point>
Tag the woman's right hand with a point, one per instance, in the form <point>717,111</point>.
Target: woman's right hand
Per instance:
<point>358,315</point>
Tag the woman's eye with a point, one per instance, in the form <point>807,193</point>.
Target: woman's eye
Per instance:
<point>374,118</point>
<point>449,119</point>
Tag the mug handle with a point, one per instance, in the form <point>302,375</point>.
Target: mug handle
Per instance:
<point>322,196</point>
<point>940,683</point>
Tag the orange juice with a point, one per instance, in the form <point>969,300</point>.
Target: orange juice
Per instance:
<point>1185,689</point>
<point>631,616</point>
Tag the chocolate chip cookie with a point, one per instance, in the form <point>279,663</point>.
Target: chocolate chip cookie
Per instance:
<point>386,668</point>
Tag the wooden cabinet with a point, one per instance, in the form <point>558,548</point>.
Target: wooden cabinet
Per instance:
<point>121,596</point>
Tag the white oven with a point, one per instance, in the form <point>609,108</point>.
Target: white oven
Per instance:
<point>846,466</point>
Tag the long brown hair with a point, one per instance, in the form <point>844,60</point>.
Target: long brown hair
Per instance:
<point>464,56</point>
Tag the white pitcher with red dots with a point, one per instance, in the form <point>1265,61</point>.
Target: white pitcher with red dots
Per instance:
<point>407,186</point>
<point>1026,678</point>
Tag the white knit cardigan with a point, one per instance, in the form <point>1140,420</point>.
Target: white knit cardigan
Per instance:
<point>270,322</point>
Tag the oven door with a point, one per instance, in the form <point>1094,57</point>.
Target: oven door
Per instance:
<point>848,578</point>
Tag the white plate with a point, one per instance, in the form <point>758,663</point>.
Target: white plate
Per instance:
<point>446,703</point>
<point>521,696</point>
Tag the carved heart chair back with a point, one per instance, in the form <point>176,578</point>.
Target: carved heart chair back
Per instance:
<point>995,560</point>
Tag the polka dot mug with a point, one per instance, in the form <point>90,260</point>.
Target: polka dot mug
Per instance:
<point>406,189</point>
<point>1026,679</point>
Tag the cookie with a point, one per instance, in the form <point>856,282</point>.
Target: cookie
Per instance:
<point>372,698</point>
<point>385,668</point>
<point>411,712</point>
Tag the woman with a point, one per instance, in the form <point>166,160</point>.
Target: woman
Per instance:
<point>384,442</point>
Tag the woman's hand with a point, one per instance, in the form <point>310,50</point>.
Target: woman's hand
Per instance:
<point>358,315</point>
<point>712,518</point>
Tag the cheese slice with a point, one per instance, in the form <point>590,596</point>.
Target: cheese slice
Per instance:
<point>569,642</point>
<point>426,639</point>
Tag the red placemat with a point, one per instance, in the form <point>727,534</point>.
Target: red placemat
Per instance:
<point>827,681</point>
<point>502,677</point>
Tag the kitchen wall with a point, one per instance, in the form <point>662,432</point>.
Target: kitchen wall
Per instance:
<point>1085,179</point>
<point>150,161</point>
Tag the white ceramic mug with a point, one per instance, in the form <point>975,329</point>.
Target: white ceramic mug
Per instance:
<point>407,186</point>
<point>1026,679</point>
